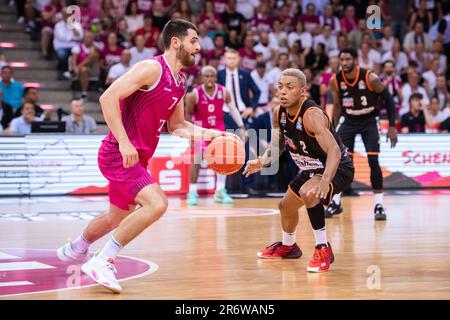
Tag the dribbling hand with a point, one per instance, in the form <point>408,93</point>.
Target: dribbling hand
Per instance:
<point>252,167</point>
<point>129,154</point>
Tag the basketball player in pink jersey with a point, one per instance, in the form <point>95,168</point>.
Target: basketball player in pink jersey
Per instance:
<point>205,107</point>
<point>136,107</point>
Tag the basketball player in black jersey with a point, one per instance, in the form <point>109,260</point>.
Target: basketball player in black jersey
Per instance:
<point>301,126</point>
<point>356,93</point>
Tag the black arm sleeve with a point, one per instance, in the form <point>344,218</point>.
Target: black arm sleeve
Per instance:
<point>390,106</point>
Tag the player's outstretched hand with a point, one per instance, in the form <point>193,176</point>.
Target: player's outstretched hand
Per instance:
<point>252,167</point>
<point>129,154</point>
<point>392,136</point>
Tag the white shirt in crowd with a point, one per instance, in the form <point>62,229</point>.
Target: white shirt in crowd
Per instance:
<point>400,63</point>
<point>247,8</point>
<point>265,51</point>
<point>134,22</point>
<point>275,40</point>
<point>206,43</point>
<point>228,85</point>
<point>387,44</point>
<point>263,85</point>
<point>137,55</point>
<point>330,43</point>
<point>407,92</point>
<point>274,76</point>
<point>64,37</point>
<point>305,38</point>
<point>374,57</point>
<point>117,70</point>
<point>430,77</point>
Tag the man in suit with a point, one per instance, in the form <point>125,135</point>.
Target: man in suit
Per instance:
<point>245,95</point>
<point>240,84</point>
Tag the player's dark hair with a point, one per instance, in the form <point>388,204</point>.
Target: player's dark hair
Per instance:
<point>176,28</point>
<point>350,51</point>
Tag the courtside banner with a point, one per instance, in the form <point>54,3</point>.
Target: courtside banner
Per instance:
<point>67,164</point>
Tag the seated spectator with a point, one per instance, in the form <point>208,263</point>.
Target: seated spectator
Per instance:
<point>441,91</point>
<point>264,48</point>
<point>144,6</point>
<point>325,77</point>
<point>149,31</point>
<point>217,53</point>
<point>327,38</point>
<point>393,83</point>
<point>184,10</point>
<point>85,61</point>
<point>51,14</point>
<point>437,54</point>
<point>414,120</point>
<point>415,36</point>
<point>140,52</point>
<point>12,90</point>
<point>412,86</point>
<point>423,15</point>
<point>317,60</point>
<point>349,23</point>
<point>120,68</point>
<point>6,113</point>
<point>77,121</point>
<point>329,18</point>
<point>248,55</point>
<point>387,42</point>
<point>262,21</point>
<point>124,37</point>
<point>422,57</point>
<point>355,37</point>
<point>110,55</point>
<point>430,77</point>
<point>205,41</point>
<point>434,116</point>
<point>108,9</point>
<point>342,43</point>
<point>232,19</point>
<point>305,38</point>
<point>274,74</point>
<point>260,77</point>
<point>369,58</point>
<point>209,17</point>
<point>399,57</point>
<point>134,19</point>
<point>22,124</point>
<point>64,39</point>
<point>312,85</point>
<point>277,35</point>
<point>31,94</point>
<point>158,14</point>
<point>87,14</point>
<point>310,20</point>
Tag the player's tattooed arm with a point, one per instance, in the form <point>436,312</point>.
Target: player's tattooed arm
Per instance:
<point>376,85</point>
<point>337,110</point>
<point>316,122</point>
<point>272,153</point>
<point>142,74</point>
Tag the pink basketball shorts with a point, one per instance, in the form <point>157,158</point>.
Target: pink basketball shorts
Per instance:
<point>124,183</point>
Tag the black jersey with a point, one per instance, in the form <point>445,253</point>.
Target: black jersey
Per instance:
<point>356,97</point>
<point>302,145</point>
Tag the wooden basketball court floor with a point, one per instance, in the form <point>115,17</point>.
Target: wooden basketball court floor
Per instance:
<point>209,251</point>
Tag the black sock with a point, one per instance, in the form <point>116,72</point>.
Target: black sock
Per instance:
<point>317,216</point>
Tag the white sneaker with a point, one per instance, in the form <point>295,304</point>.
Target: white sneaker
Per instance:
<point>66,253</point>
<point>103,271</point>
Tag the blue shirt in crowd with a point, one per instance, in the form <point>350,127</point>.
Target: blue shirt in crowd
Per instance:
<point>12,94</point>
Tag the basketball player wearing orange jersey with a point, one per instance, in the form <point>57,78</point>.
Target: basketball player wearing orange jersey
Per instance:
<point>136,107</point>
<point>205,106</point>
<point>356,92</point>
<point>325,168</point>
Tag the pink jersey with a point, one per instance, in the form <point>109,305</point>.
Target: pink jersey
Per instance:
<point>145,112</point>
<point>209,109</point>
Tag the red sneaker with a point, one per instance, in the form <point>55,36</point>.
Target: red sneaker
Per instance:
<point>278,251</point>
<point>322,258</point>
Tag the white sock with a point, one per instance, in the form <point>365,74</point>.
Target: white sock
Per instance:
<point>378,198</point>
<point>288,238</point>
<point>111,249</point>
<point>80,244</point>
<point>220,183</point>
<point>337,198</point>
<point>193,187</point>
<point>321,236</point>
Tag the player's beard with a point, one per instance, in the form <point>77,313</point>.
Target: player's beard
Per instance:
<point>185,57</point>
<point>349,69</point>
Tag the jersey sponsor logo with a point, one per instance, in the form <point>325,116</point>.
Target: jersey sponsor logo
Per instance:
<point>305,162</point>
<point>219,95</point>
<point>347,102</point>
<point>290,143</point>
<point>299,125</point>
<point>343,85</point>
<point>361,85</point>
<point>167,89</point>
<point>359,112</point>
<point>283,118</point>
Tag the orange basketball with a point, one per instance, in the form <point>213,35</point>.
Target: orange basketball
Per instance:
<point>225,155</point>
